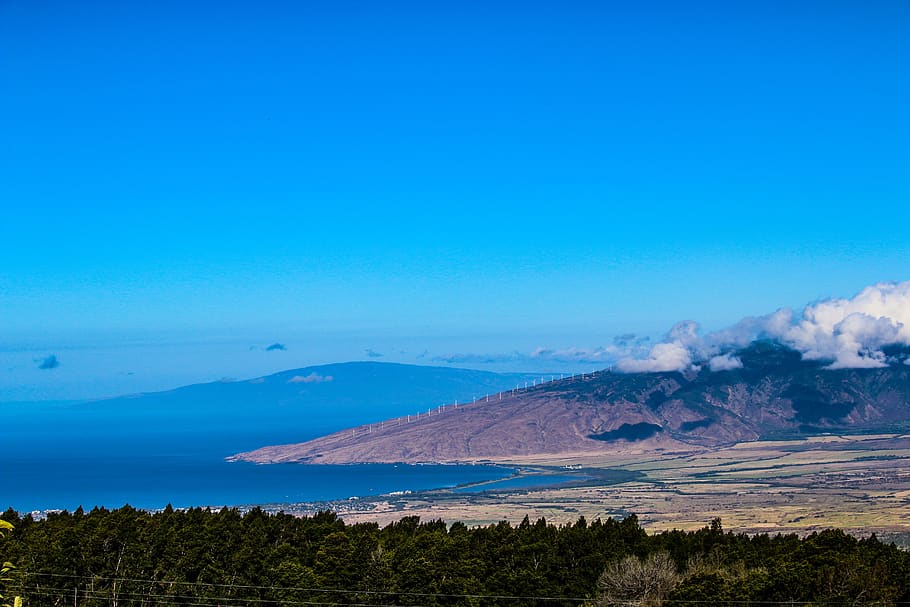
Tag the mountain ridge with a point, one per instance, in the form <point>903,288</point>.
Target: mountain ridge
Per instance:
<point>774,393</point>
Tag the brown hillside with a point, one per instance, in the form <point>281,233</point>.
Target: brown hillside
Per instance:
<point>774,394</point>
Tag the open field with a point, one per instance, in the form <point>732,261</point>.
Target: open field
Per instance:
<point>860,483</point>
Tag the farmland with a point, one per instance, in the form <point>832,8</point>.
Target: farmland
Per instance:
<point>855,482</point>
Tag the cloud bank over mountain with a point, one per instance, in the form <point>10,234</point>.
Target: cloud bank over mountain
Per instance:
<point>850,333</point>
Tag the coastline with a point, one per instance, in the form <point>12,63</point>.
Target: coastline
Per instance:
<point>854,482</point>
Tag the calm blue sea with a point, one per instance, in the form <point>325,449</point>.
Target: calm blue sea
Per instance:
<point>57,461</point>
<point>154,481</point>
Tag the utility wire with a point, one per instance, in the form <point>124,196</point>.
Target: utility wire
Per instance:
<point>106,593</point>
<point>300,589</point>
<point>64,595</point>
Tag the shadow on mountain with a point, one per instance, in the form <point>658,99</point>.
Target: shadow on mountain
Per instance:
<point>629,432</point>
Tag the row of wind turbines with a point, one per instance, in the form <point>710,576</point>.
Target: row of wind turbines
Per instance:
<point>368,429</point>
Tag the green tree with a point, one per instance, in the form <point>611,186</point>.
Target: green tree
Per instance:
<point>5,571</point>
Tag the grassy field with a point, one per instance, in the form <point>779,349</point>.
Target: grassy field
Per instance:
<point>859,483</point>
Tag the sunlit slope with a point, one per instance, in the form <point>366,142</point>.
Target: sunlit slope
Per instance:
<point>775,393</point>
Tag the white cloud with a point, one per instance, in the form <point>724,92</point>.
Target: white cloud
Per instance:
<point>598,355</point>
<point>672,356</point>
<point>748,330</point>
<point>684,333</point>
<point>725,362</point>
<point>579,355</point>
<point>312,378</point>
<point>849,332</point>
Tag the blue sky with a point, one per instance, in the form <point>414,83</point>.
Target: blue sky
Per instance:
<point>182,186</point>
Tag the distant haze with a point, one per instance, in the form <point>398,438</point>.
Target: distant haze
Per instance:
<point>850,332</point>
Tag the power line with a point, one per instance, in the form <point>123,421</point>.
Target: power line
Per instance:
<point>299,589</point>
<point>107,593</point>
<point>63,593</point>
<point>95,595</point>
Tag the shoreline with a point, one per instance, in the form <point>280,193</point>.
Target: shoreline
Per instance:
<point>853,482</point>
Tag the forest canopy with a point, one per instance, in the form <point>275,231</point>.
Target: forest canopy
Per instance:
<point>202,558</point>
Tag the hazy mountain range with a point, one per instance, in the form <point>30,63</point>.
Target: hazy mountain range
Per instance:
<point>233,415</point>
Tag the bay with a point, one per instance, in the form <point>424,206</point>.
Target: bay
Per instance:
<point>60,458</point>
<point>152,482</point>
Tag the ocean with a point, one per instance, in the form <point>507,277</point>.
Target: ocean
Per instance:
<point>152,482</point>
<point>52,458</point>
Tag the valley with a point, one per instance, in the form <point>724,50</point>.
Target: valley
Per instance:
<point>859,483</point>
<point>779,444</point>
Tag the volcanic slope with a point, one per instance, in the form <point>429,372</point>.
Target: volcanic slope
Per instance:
<point>774,394</point>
